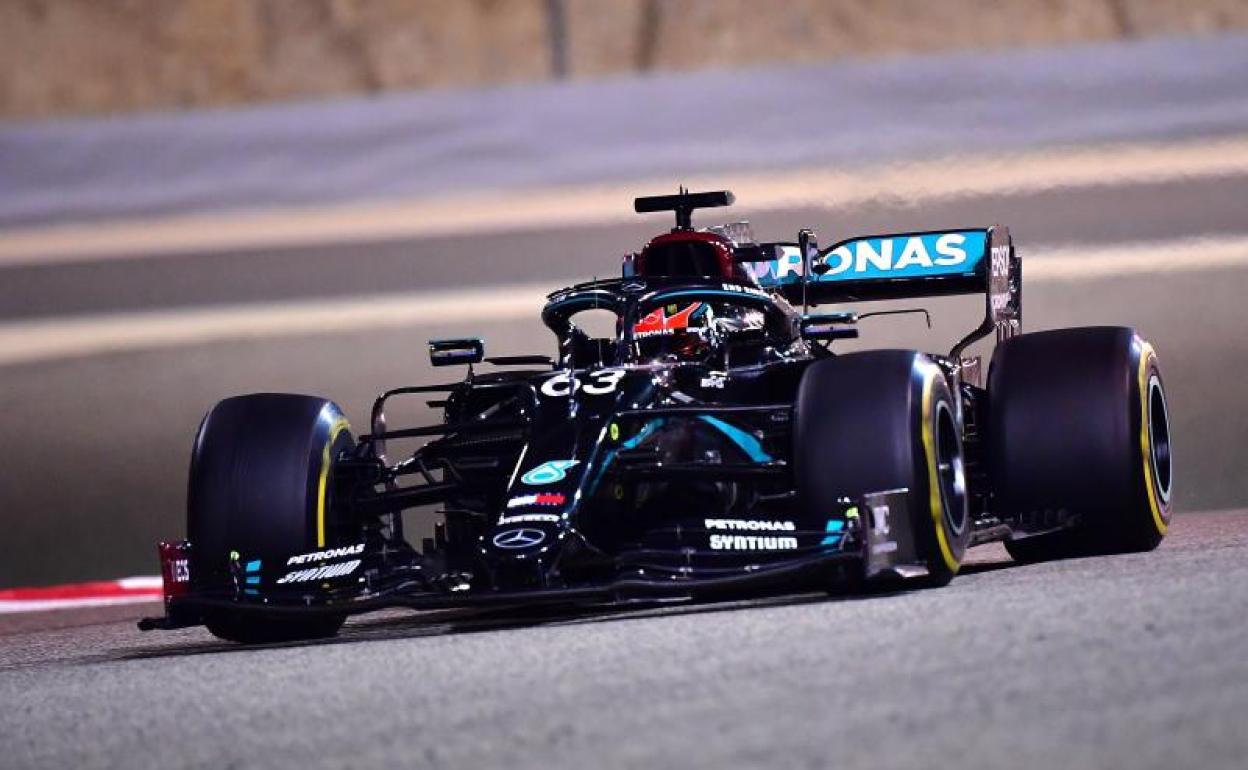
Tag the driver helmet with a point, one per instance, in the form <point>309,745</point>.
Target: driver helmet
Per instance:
<point>680,331</point>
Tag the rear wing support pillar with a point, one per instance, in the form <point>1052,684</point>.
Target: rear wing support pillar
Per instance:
<point>1004,295</point>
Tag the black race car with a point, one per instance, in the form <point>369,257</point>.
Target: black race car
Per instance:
<point>697,436</point>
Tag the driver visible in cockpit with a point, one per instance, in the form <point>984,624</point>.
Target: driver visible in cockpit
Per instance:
<point>692,332</point>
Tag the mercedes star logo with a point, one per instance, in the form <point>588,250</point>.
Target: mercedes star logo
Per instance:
<point>519,538</point>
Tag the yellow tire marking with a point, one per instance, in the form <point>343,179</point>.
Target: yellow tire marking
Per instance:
<point>933,482</point>
<point>338,427</point>
<point>1146,444</point>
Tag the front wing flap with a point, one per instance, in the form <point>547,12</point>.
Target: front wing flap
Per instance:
<point>870,545</point>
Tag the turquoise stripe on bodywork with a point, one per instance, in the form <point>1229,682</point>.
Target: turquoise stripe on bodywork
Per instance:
<point>700,293</point>
<point>645,431</point>
<point>747,443</point>
<point>631,443</point>
<point>833,530</point>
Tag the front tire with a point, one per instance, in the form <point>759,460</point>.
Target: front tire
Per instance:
<point>1079,431</point>
<point>260,486</point>
<point>882,420</point>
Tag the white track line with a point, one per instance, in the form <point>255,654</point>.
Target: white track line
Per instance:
<point>45,605</point>
<point>99,593</point>
<point>31,341</point>
<point>1069,263</point>
<point>912,182</point>
<point>27,341</point>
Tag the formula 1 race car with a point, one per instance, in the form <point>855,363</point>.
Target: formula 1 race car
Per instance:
<point>697,436</point>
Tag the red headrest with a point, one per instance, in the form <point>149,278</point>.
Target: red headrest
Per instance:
<point>686,254</point>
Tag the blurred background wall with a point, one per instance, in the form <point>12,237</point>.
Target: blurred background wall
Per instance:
<point>76,57</point>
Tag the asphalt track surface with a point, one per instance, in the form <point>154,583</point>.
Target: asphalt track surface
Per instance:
<point>1126,661</point>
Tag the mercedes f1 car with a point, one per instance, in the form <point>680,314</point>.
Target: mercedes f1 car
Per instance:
<point>707,440</point>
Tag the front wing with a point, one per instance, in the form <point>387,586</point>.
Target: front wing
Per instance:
<point>869,550</point>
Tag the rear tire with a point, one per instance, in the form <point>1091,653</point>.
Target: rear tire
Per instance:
<point>260,487</point>
<point>1078,427</point>
<point>882,420</point>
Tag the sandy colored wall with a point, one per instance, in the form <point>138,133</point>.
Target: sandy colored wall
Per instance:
<point>67,57</point>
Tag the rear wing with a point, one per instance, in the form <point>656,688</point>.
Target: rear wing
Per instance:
<point>904,266</point>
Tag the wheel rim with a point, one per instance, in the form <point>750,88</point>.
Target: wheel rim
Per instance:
<point>950,469</point>
<point>1159,438</point>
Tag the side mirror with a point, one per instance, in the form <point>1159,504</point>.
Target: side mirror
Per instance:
<point>829,326</point>
<point>469,350</point>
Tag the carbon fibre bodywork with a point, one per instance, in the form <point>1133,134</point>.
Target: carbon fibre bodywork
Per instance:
<point>632,467</point>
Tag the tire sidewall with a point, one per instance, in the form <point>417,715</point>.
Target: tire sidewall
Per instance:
<point>1078,426</point>
<point>941,519</point>
<point>1155,449</point>
<point>261,482</point>
<point>877,415</point>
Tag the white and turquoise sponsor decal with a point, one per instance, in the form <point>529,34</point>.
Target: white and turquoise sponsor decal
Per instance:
<point>927,255</point>
<point>549,472</point>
